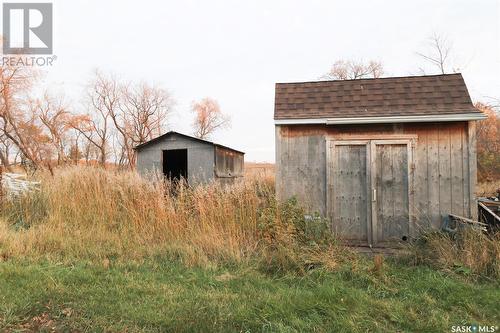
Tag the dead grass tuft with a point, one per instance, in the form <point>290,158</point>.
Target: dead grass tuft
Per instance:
<point>489,188</point>
<point>468,252</point>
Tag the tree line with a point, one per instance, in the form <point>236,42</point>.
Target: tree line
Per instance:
<point>114,117</point>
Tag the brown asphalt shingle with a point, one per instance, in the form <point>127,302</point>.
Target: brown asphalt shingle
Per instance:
<point>392,96</point>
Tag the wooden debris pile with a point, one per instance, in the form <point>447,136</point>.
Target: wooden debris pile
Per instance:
<point>489,217</point>
<point>13,185</point>
<point>489,212</point>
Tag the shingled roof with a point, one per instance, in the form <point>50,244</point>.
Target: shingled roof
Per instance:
<point>367,98</point>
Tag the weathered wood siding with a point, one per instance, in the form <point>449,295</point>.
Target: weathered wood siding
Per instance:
<point>301,167</point>
<point>443,166</point>
<point>228,163</point>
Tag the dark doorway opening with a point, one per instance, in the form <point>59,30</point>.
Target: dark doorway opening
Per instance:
<point>175,164</point>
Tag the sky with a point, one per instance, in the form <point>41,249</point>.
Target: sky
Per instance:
<point>235,51</point>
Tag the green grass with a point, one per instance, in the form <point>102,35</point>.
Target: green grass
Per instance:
<point>159,296</point>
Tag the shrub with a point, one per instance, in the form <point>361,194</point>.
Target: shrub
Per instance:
<point>293,241</point>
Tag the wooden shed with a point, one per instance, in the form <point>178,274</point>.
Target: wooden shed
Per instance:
<point>381,158</point>
<point>175,155</point>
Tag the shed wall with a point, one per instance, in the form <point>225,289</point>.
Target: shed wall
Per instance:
<point>200,157</point>
<point>228,163</point>
<point>444,179</point>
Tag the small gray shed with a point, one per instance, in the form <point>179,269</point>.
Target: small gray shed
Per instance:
<point>177,155</point>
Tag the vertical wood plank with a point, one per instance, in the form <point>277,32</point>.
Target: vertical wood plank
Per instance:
<point>444,172</point>
<point>329,181</point>
<point>358,180</point>
<point>336,189</point>
<point>472,168</point>
<point>457,190</point>
<point>374,198</point>
<point>411,187</point>
<point>401,190</point>
<point>433,176</point>
<point>385,193</point>
<point>346,158</point>
<point>279,162</point>
<point>369,199</point>
<point>421,183</point>
<point>341,193</point>
<point>465,172</point>
<point>363,194</point>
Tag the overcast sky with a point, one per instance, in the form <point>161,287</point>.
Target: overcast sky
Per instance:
<point>234,51</point>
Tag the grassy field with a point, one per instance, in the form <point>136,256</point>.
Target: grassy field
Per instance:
<point>165,296</point>
<point>106,251</point>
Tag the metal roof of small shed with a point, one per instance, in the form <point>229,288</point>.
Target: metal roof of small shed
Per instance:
<point>392,99</point>
<point>169,133</point>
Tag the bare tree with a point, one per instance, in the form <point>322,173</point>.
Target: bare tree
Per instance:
<point>438,54</point>
<point>122,116</point>
<point>208,118</point>
<point>4,160</point>
<point>17,123</point>
<point>89,152</point>
<point>350,70</point>
<point>102,100</point>
<point>94,128</point>
<point>55,118</point>
<point>144,111</point>
<point>5,148</point>
<point>75,149</point>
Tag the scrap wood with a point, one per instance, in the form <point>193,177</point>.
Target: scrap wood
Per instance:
<point>475,224</point>
<point>16,184</point>
<point>467,220</point>
<point>489,201</point>
<point>482,205</point>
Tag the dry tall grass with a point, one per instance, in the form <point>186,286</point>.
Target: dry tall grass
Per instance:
<point>469,251</point>
<point>260,170</point>
<point>95,214</point>
<point>87,213</point>
<point>487,189</point>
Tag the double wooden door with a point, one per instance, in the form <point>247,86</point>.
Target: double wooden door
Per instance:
<point>368,197</point>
